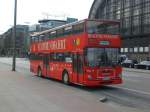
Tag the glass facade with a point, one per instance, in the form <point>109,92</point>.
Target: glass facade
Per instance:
<point>133,14</point>
<point>101,56</point>
<point>134,17</point>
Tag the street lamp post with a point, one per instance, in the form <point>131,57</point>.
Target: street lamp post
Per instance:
<point>14,38</point>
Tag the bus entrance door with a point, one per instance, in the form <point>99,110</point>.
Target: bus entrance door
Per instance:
<point>77,68</point>
<point>45,65</point>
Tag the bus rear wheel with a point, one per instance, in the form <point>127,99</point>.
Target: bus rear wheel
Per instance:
<point>39,73</point>
<point>65,78</point>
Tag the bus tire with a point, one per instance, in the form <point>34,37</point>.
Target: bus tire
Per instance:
<point>39,72</point>
<point>65,78</point>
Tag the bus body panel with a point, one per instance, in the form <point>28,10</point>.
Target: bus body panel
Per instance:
<point>103,76</point>
<point>78,69</point>
<point>76,43</point>
<point>63,44</point>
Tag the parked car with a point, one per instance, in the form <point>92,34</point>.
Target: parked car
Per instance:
<point>129,63</point>
<point>122,58</point>
<point>143,65</point>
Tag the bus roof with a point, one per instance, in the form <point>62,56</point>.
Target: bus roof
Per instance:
<point>74,23</point>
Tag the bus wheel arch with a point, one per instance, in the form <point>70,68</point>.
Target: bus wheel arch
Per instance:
<point>39,71</point>
<point>65,77</point>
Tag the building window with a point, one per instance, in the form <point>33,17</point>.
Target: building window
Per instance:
<point>121,50</point>
<point>147,7</point>
<point>146,23</point>
<point>136,20</point>
<point>126,26</point>
<point>127,12</point>
<point>136,49</point>
<point>136,10</point>
<point>146,49</point>
<point>146,19</point>
<point>130,50</point>
<point>141,49</point>
<point>127,3</point>
<point>136,2</point>
<point>126,22</point>
<point>126,50</point>
<point>118,16</point>
<point>136,24</point>
<point>147,0</point>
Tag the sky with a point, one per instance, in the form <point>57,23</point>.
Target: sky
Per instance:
<point>30,11</point>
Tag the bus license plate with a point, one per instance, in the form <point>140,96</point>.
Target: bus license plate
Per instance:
<point>106,78</point>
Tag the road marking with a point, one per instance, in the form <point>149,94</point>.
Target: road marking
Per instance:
<point>132,80</point>
<point>138,71</point>
<point>133,90</point>
<point>137,75</point>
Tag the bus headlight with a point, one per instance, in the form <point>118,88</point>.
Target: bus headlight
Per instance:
<point>120,75</point>
<point>89,77</point>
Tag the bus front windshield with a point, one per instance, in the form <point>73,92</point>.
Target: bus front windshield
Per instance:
<point>100,27</point>
<point>101,56</point>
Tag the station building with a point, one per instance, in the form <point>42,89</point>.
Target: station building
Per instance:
<point>134,17</point>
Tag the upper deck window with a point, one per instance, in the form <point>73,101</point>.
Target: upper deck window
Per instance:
<point>52,34</point>
<point>78,28</point>
<point>100,27</point>
<point>34,38</point>
<point>68,30</point>
<point>60,32</point>
<point>41,37</point>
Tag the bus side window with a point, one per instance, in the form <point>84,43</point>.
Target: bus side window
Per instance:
<point>80,63</point>
<point>34,56</point>
<point>60,32</point>
<point>49,35</point>
<point>40,38</point>
<point>77,63</point>
<point>32,39</point>
<point>60,57</point>
<point>52,58</point>
<point>45,36</point>
<point>36,39</point>
<point>78,28</point>
<point>53,34</point>
<point>68,30</point>
<point>31,56</point>
<point>68,57</point>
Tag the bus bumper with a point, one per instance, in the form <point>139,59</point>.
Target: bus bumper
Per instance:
<point>101,83</point>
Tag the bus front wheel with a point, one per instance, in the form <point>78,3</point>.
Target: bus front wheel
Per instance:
<point>65,78</point>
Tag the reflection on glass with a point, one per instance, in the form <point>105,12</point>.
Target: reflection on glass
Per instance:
<point>102,56</point>
<point>99,27</point>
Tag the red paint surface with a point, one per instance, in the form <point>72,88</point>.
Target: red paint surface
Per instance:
<point>76,43</point>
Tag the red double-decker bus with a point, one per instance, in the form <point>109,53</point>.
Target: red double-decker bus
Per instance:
<point>84,52</point>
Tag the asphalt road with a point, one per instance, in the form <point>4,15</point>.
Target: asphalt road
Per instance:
<point>20,91</point>
<point>132,96</point>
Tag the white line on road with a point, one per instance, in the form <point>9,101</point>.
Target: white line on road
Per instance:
<point>132,80</point>
<point>133,90</point>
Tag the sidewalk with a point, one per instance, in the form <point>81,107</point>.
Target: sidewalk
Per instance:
<point>20,62</point>
<point>25,93</point>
